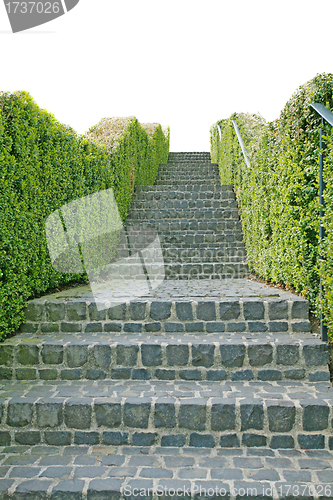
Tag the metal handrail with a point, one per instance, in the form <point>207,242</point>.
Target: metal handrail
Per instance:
<point>219,131</point>
<point>327,115</point>
<point>240,140</point>
<point>241,143</point>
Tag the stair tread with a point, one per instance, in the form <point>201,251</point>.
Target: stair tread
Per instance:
<point>112,338</point>
<point>206,289</point>
<point>197,390</point>
<point>111,470</point>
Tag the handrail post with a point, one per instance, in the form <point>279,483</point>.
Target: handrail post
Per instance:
<point>322,146</point>
<point>326,114</point>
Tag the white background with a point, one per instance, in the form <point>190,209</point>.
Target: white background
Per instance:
<point>180,63</point>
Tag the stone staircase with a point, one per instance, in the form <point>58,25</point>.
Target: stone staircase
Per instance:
<point>196,218</point>
<point>211,384</point>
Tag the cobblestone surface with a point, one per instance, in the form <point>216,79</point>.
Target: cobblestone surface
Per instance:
<point>145,412</point>
<point>93,472</point>
<point>74,310</point>
<point>174,355</point>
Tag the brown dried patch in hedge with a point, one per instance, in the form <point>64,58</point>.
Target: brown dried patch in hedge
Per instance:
<point>109,130</point>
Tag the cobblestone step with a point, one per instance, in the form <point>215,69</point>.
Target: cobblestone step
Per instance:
<point>163,204</point>
<point>204,306</point>
<point>197,255</point>
<point>204,181</point>
<point>206,414</point>
<point>222,254</point>
<point>201,239</point>
<point>121,471</point>
<point>208,168</point>
<point>175,194</point>
<point>188,176</point>
<point>175,197</point>
<point>210,225</point>
<point>193,188</point>
<point>205,270</point>
<point>187,155</point>
<point>201,214</point>
<point>166,356</point>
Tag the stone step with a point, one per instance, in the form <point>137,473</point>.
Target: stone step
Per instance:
<point>182,204</point>
<point>187,155</point>
<point>229,249</point>
<point>176,195</point>
<point>214,253</point>
<point>201,252</point>
<point>189,168</point>
<point>196,255</point>
<point>166,356</point>
<point>192,188</point>
<point>194,307</point>
<point>122,471</point>
<point>206,270</point>
<point>190,162</point>
<point>190,214</point>
<point>187,174</point>
<point>201,239</point>
<point>174,225</point>
<point>188,179</point>
<point>203,181</point>
<point>207,414</point>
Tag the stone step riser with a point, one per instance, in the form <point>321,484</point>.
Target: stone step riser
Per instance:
<point>190,161</point>
<point>189,215</point>
<point>189,188</point>
<point>194,245</point>
<point>204,181</point>
<point>189,157</point>
<point>184,154</point>
<point>214,271</point>
<point>190,179</point>
<point>162,421</point>
<point>177,194</point>
<point>189,166</point>
<point>233,227</point>
<point>175,204</point>
<point>188,171</point>
<point>194,255</point>
<point>180,271</point>
<point>98,359</point>
<point>167,317</point>
<point>185,174</point>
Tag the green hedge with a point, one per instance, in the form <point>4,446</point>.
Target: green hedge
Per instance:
<point>278,194</point>
<point>44,165</point>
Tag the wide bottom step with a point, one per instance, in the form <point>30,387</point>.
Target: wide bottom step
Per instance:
<point>212,414</point>
<point>123,472</point>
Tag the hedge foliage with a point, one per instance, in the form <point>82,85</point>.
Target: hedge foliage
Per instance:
<point>279,194</point>
<point>44,165</point>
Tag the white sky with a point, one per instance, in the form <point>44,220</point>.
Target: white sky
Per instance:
<point>180,63</point>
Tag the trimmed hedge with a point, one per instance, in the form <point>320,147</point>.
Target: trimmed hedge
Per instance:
<point>44,165</point>
<point>278,194</point>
